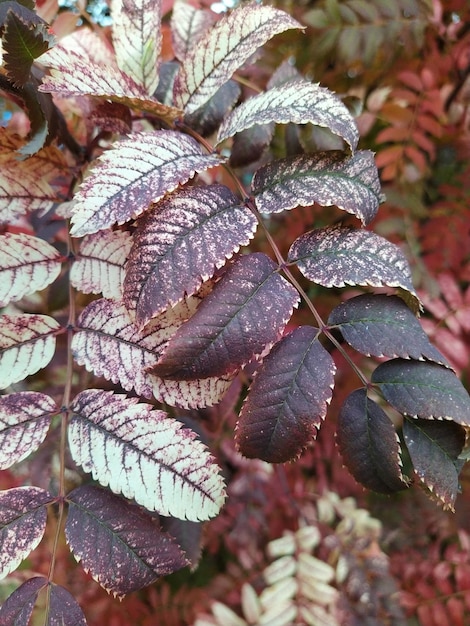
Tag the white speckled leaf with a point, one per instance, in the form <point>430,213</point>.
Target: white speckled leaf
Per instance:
<point>137,40</point>
<point>24,421</point>
<point>299,102</point>
<point>190,394</point>
<point>144,455</point>
<point>225,48</point>
<point>18,607</point>
<point>99,265</point>
<point>27,344</point>
<point>136,172</point>
<point>27,264</point>
<point>188,24</point>
<point>180,243</point>
<point>327,178</point>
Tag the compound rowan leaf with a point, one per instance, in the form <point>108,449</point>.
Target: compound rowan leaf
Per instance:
<point>137,40</point>
<point>64,610</point>
<point>297,102</point>
<point>244,314</point>
<point>18,607</point>
<point>288,398</point>
<point>145,455</point>
<point>27,344</point>
<point>327,178</point>
<point>24,421</point>
<point>180,243</point>
<point>434,448</point>
<point>138,171</point>
<point>99,265</point>
<point>22,524</point>
<point>188,25</point>
<point>380,325</point>
<point>223,49</point>
<point>337,256</point>
<point>369,445</point>
<point>27,264</point>
<point>122,547</point>
<point>425,390</point>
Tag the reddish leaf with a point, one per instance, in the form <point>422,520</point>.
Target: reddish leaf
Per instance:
<point>188,25</point>
<point>22,524</point>
<point>138,171</point>
<point>245,313</point>
<point>24,422</point>
<point>122,443</point>
<point>369,444</point>
<point>225,48</point>
<point>434,448</point>
<point>288,398</point>
<point>64,610</point>
<point>327,178</point>
<point>18,607</point>
<point>117,542</point>
<point>180,243</point>
<point>424,390</point>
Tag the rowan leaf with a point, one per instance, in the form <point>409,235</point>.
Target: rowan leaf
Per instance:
<point>145,455</point>
<point>434,448</point>
<point>327,178</point>
<point>64,610</point>
<point>188,25</point>
<point>122,546</point>
<point>207,119</point>
<point>223,49</point>
<point>369,445</point>
<point>138,171</point>
<point>27,264</point>
<point>383,325</point>
<point>27,344</point>
<point>337,256</point>
<point>425,390</point>
<point>288,398</point>
<point>137,40</point>
<point>22,524</point>
<point>191,394</point>
<point>250,145</point>
<point>24,421</point>
<point>18,607</point>
<point>297,102</point>
<point>180,243</point>
<point>99,264</point>
<point>244,314</point>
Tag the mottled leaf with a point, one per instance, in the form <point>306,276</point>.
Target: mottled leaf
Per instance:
<point>207,119</point>
<point>328,178</point>
<point>145,455</point>
<point>180,243</point>
<point>27,264</point>
<point>369,445</point>
<point>424,390</point>
<point>434,448</point>
<point>337,256</point>
<point>298,102</point>
<point>27,344</point>
<point>64,610</point>
<point>137,40</point>
<point>288,398</point>
<point>191,394</point>
<point>138,171</point>
<point>225,48</point>
<point>22,524</point>
<point>188,25</point>
<point>245,313</point>
<point>99,265</point>
<point>383,325</point>
<point>122,547</point>
<point>18,607</point>
<point>24,421</point>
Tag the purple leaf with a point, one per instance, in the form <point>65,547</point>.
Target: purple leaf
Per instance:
<point>24,421</point>
<point>434,448</point>
<point>22,524</point>
<point>327,178</point>
<point>299,102</point>
<point>180,243</point>
<point>145,455</point>
<point>207,119</point>
<point>425,390</point>
<point>138,171</point>
<point>288,398</point>
<point>249,145</point>
<point>188,536</point>
<point>337,256</point>
<point>188,25</point>
<point>383,325</point>
<point>225,48</point>
<point>117,542</point>
<point>245,313</point>
<point>18,607</point>
<point>64,610</point>
<point>369,445</point>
